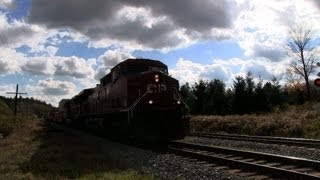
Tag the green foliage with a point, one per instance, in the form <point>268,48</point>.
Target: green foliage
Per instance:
<point>28,106</point>
<point>199,92</point>
<point>245,97</point>
<point>216,98</point>
<point>239,96</point>
<point>27,109</point>
<point>187,96</point>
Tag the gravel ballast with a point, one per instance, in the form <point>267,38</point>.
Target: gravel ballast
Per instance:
<point>169,166</point>
<point>166,166</point>
<point>161,165</point>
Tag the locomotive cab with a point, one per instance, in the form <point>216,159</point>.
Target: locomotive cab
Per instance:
<point>156,106</point>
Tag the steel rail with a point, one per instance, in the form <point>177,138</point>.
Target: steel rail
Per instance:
<point>312,143</point>
<point>269,164</point>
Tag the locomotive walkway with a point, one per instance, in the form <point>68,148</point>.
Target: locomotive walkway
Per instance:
<point>254,163</point>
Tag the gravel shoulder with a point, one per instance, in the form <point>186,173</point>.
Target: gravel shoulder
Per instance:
<point>162,166</point>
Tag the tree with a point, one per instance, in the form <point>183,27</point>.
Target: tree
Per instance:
<point>261,103</point>
<point>199,92</point>
<point>302,49</point>
<point>216,99</point>
<point>239,96</point>
<point>187,96</point>
<point>249,93</point>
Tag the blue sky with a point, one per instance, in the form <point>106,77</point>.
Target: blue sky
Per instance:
<point>57,48</point>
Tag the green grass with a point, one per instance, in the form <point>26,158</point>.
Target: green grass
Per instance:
<point>35,151</point>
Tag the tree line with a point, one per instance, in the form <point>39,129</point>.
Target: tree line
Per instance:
<point>247,95</point>
<point>28,105</point>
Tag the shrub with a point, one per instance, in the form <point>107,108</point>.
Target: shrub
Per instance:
<point>295,121</point>
<point>8,122</point>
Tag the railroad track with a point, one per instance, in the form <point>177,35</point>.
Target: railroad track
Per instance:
<point>311,143</point>
<point>271,165</point>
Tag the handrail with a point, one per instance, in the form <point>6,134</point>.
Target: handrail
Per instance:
<point>177,93</point>
<point>136,102</point>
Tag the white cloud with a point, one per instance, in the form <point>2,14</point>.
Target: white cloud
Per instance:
<point>59,66</point>
<point>73,67</point>
<point>10,61</point>
<point>39,65</point>
<point>16,33</point>
<point>109,59</point>
<point>226,70</point>
<point>262,26</point>
<point>55,87</point>
<point>52,91</point>
<point>48,90</point>
<point>216,71</point>
<point>186,71</point>
<point>7,3</point>
<point>112,57</point>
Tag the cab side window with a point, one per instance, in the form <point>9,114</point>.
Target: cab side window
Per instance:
<point>116,73</point>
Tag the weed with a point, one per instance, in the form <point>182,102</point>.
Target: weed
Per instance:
<point>295,121</point>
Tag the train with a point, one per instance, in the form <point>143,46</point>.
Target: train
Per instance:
<point>136,99</point>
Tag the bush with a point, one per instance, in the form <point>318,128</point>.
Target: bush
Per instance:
<point>295,121</point>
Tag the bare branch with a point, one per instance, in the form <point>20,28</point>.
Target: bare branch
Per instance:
<point>302,49</point>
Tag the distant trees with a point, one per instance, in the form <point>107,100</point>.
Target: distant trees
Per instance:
<point>244,97</point>
<point>29,105</point>
<point>301,48</point>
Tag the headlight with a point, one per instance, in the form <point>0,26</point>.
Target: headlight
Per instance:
<point>150,101</point>
<point>156,78</point>
<point>178,102</point>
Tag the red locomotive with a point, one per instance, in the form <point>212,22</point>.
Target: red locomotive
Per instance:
<point>137,98</point>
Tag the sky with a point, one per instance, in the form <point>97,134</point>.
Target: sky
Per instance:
<point>54,49</point>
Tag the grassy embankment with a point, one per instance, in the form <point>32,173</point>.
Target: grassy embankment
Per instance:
<point>293,121</point>
<point>30,150</point>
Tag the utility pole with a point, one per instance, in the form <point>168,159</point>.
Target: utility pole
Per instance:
<point>16,98</point>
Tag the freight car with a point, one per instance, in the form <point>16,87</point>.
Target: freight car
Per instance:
<point>136,99</point>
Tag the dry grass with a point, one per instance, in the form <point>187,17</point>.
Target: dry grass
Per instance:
<point>38,152</point>
<point>295,121</point>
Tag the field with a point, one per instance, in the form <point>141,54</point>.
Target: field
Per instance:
<point>36,152</point>
<point>30,150</point>
<point>292,121</point>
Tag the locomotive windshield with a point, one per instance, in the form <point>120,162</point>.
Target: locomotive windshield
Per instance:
<point>133,66</point>
<point>162,69</point>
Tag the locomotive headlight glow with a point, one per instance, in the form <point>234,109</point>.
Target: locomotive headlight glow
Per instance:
<point>156,78</point>
<point>178,102</point>
<point>150,101</point>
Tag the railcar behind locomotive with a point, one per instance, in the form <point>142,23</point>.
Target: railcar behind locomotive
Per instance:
<point>137,98</point>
